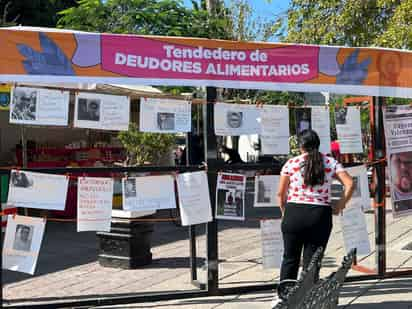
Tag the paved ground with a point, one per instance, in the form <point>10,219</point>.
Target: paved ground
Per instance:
<point>67,267</point>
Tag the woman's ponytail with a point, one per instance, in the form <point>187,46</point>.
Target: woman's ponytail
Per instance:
<point>314,170</point>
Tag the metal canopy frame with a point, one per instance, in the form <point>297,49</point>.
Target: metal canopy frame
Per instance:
<point>211,287</point>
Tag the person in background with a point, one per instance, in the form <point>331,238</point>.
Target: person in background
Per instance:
<point>234,156</point>
<point>305,201</point>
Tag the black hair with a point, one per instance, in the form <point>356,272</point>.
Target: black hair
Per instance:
<point>314,170</point>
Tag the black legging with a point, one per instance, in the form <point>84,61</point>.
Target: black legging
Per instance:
<point>304,226</point>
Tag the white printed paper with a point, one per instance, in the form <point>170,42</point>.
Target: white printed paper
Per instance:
<point>165,115</point>
<point>361,195</point>
<point>272,243</point>
<point>321,125</point>
<point>348,129</point>
<point>37,190</point>
<point>275,129</point>
<point>22,243</point>
<point>316,118</point>
<point>194,199</point>
<point>266,188</point>
<point>102,111</point>
<point>94,204</point>
<point>398,134</point>
<point>39,106</point>
<point>354,230</point>
<point>236,119</point>
<point>230,196</point>
<point>148,193</point>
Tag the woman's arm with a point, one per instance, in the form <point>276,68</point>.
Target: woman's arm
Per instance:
<point>282,192</point>
<point>347,182</point>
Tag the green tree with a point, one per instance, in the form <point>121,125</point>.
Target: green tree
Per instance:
<point>149,17</point>
<point>354,23</point>
<point>40,13</point>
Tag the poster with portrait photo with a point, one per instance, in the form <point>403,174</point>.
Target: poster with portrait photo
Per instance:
<point>165,115</point>
<point>348,129</point>
<point>22,243</point>
<point>266,187</point>
<point>101,111</point>
<point>272,243</point>
<point>361,195</point>
<point>37,106</point>
<point>194,199</point>
<point>230,196</point>
<point>236,119</point>
<point>152,193</point>
<point>275,129</point>
<point>37,190</point>
<point>129,193</point>
<point>398,134</point>
<point>94,204</point>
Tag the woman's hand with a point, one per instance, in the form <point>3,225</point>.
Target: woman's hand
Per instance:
<point>339,207</point>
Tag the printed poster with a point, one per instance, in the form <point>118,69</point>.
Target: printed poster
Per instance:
<point>272,243</point>
<point>230,196</point>
<point>5,91</point>
<point>165,115</point>
<point>398,134</point>
<point>39,106</point>
<point>348,129</point>
<point>275,129</point>
<point>194,199</point>
<point>315,118</point>
<point>236,119</point>
<point>102,111</point>
<point>148,193</point>
<point>321,125</point>
<point>361,195</point>
<point>94,204</point>
<point>354,230</point>
<point>22,243</point>
<point>266,188</point>
<point>37,190</point>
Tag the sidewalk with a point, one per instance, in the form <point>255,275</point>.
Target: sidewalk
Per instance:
<point>67,267</point>
<point>388,294</point>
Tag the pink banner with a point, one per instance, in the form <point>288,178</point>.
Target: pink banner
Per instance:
<point>146,58</point>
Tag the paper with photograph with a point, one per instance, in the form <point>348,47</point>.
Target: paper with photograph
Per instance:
<point>37,106</point>
<point>102,111</point>
<point>194,199</point>
<point>37,190</point>
<point>348,129</point>
<point>165,115</point>
<point>236,119</point>
<point>361,195</point>
<point>321,124</point>
<point>275,129</point>
<point>94,204</point>
<point>230,196</point>
<point>272,243</point>
<point>148,193</point>
<point>22,243</point>
<point>398,134</point>
<point>354,230</point>
<point>266,187</point>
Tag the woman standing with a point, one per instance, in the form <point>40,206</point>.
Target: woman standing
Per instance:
<point>305,202</point>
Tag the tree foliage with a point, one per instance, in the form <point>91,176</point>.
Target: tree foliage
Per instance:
<point>385,23</point>
<point>144,148</point>
<point>149,17</point>
<point>40,13</point>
